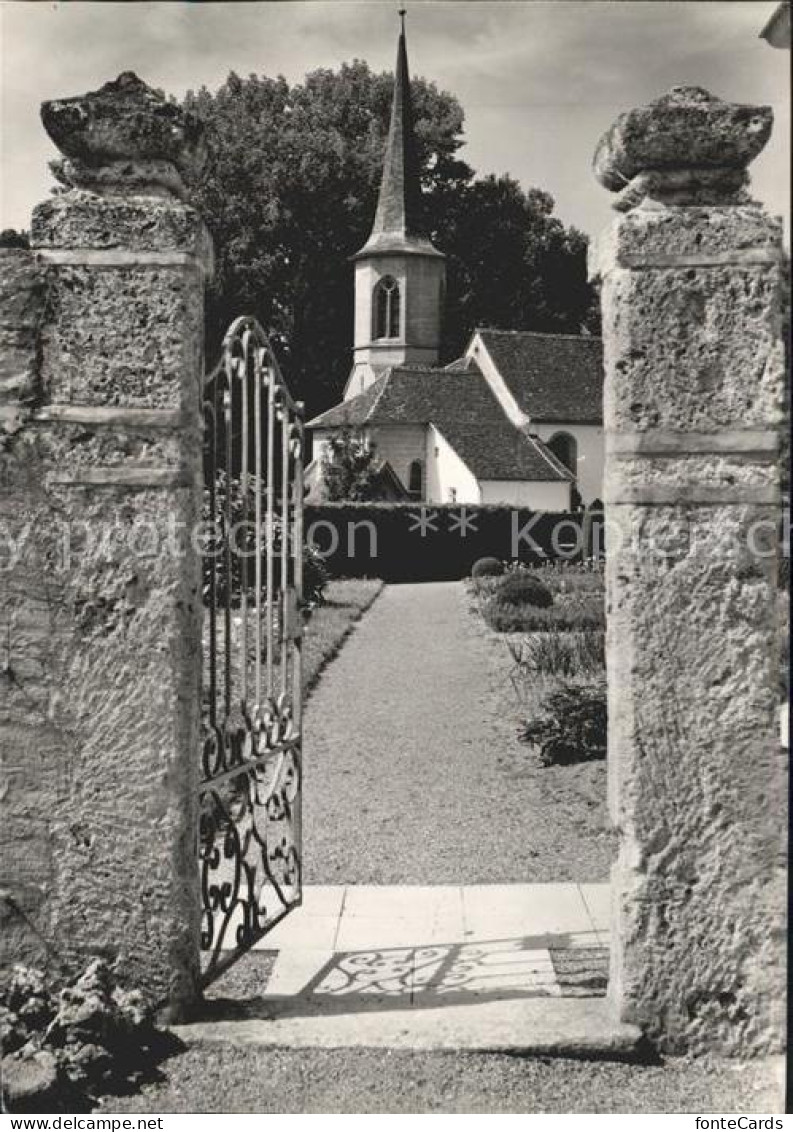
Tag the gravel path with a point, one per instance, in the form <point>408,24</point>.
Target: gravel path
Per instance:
<point>413,772</point>
<point>227,1079</point>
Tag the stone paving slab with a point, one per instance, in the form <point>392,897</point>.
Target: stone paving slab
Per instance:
<point>541,1026</point>
<point>597,898</point>
<point>434,967</point>
<point>535,909</point>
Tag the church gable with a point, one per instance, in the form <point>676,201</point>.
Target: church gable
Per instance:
<point>549,377</point>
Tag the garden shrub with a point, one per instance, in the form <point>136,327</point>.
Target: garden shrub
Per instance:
<point>315,577</point>
<point>578,613</point>
<point>572,577</point>
<point>560,654</point>
<point>570,725</point>
<point>487,568</point>
<point>519,588</point>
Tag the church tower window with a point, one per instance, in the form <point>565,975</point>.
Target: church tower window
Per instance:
<point>386,308</point>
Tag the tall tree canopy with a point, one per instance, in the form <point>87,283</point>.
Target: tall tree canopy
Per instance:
<point>290,193</point>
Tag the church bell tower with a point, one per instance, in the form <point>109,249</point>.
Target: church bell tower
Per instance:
<point>399,276</point>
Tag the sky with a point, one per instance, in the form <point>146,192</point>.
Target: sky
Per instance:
<point>539,81</point>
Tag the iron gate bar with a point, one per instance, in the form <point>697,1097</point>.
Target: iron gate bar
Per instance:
<point>244,372</point>
<point>249,795</point>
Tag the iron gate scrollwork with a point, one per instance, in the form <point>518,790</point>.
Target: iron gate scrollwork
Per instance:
<point>249,795</point>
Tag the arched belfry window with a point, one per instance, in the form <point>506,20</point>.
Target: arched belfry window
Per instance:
<point>416,480</point>
<point>386,308</point>
<point>565,448</point>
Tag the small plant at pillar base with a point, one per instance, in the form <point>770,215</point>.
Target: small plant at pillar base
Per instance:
<point>570,725</point>
<point>63,1048</point>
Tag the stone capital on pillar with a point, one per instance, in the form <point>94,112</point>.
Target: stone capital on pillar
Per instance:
<point>691,276</point>
<point>687,147</point>
<point>125,153</point>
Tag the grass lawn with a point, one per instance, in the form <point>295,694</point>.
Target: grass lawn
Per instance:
<point>346,600</point>
<point>328,626</point>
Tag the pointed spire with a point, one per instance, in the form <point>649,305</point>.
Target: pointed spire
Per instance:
<point>398,224</point>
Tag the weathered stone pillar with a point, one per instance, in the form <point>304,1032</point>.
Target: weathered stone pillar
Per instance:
<point>691,278</point>
<point>102,584</point>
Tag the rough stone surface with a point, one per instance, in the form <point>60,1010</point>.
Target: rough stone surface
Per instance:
<point>686,128</point>
<point>692,347</point>
<point>696,777</point>
<point>23,293</point>
<point>80,220</point>
<point>101,605</point>
<point>688,236</point>
<point>123,121</point>
<point>120,335</point>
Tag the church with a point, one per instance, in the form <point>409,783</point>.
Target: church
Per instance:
<point>517,420</point>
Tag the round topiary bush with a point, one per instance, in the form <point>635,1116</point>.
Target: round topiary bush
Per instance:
<point>524,589</point>
<point>487,568</point>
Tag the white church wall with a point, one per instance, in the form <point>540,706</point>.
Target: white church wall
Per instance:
<point>400,445</point>
<point>591,454</point>
<point>524,493</point>
<point>449,480</point>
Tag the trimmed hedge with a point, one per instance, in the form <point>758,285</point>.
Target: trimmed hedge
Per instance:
<point>487,568</point>
<point>519,588</point>
<point>405,542</point>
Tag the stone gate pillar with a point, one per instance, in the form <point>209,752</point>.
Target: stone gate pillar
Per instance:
<point>101,582</point>
<point>691,284</point>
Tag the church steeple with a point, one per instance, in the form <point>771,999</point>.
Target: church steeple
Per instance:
<point>399,275</point>
<point>398,223</point>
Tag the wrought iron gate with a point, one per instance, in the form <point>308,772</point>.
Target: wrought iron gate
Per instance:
<point>249,797</point>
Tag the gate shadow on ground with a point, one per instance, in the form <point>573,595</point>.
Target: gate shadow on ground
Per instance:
<point>429,976</point>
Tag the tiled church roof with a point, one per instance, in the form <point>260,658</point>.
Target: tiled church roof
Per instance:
<point>463,408</point>
<point>496,450</point>
<point>553,377</point>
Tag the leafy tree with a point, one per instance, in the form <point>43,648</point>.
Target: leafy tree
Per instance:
<point>511,264</point>
<point>290,193</point>
<point>11,238</point>
<point>349,468</point>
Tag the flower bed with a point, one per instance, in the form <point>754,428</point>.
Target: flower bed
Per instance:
<point>577,600</point>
